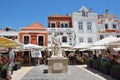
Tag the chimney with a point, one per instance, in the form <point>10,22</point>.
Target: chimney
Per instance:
<point>67,14</point>
<point>90,10</point>
<point>7,29</point>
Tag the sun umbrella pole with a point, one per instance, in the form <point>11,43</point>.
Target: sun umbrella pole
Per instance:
<point>29,57</point>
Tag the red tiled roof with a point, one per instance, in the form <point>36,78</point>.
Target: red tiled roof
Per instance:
<point>58,15</point>
<point>34,26</point>
<point>117,21</point>
<point>107,16</point>
<point>1,30</point>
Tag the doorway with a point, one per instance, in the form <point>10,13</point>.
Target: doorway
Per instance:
<point>40,40</point>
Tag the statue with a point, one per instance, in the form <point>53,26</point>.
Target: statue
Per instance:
<point>56,46</point>
<point>57,62</point>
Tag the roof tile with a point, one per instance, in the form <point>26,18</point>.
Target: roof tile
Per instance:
<point>34,26</point>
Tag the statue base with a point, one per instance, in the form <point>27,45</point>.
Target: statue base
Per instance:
<point>57,65</point>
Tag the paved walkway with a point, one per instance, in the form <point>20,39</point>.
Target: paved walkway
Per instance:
<point>75,72</point>
<point>17,75</point>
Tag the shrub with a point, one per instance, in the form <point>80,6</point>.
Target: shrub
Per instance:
<point>115,71</point>
<point>89,62</point>
<point>105,64</point>
<point>105,67</point>
<point>116,67</point>
<point>96,63</point>
<point>4,67</point>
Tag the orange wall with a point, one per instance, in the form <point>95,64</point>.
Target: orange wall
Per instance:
<point>33,37</point>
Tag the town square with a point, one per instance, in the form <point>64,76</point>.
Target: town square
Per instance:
<point>59,40</point>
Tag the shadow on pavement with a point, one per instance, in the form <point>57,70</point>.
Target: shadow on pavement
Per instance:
<point>45,71</point>
<point>106,76</point>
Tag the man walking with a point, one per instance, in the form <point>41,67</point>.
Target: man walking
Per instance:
<point>10,63</point>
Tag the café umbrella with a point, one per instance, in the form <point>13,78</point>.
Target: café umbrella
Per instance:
<point>81,46</point>
<point>4,42</point>
<point>105,41</point>
<point>32,46</point>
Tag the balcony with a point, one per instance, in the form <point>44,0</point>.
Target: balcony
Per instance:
<point>60,29</point>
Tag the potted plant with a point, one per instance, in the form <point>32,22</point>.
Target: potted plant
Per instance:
<point>4,70</point>
<point>0,69</point>
<point>89,62</point>
<point>115,71</point>
<point>17,66</point>
<point>105,67</point>
<point>96,63</point>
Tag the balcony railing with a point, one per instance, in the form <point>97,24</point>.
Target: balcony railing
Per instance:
<point>60,29</point>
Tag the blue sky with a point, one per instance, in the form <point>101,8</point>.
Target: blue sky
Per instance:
<point>21,13</point>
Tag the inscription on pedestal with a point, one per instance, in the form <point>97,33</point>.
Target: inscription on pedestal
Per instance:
<point>57,66</point>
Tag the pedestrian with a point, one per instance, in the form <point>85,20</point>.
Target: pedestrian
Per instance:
<point>71,57</point>
<point>35,56</point>
<point>10,63</point>
<point>46,55</point>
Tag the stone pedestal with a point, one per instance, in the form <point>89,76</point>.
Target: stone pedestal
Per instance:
<point>57,65</point>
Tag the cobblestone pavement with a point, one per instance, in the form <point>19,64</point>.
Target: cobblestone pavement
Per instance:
<point>74,73</point>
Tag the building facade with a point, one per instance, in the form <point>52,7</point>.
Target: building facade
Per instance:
<point>62,24</point>
<point>10,34</point>
<point>34,34</point>
<point>85,25</point>
<point>108,25</point>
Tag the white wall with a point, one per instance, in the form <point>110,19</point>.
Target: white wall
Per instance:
<point>92,17</point>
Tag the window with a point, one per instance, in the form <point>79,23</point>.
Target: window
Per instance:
<point>70,43</point>
<point>101,37</point>
<point>26,39</point>
<point>70,39</point>
<point>41,40</point>
<point>64,39</point>
<point>83,13</point>
<point>60,33</point>
<point>89,40</point>
<point>49,33</point>
<point>64,25</point>
<point>114,26</point>
<point>49,42</point>
<point>80,25</point>
<point>89,26</point>
<point>106,26</point>
<point>118,36</point>
<point>81,40</point>
<point>52,25</point>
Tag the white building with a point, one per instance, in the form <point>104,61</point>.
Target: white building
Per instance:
<point>11,34</point>
<point>85,25</point>
<point>108,24</point>
<point>62,24</point>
